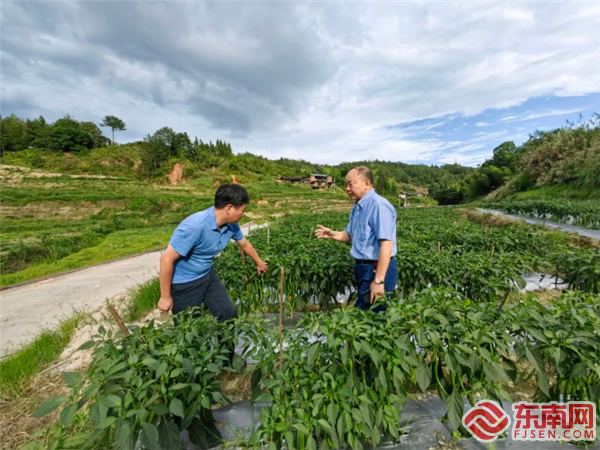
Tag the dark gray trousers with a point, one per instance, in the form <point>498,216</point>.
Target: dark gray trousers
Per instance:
<point>208,290</point>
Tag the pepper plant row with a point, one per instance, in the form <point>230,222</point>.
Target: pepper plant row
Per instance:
<point>342,379</point>
<point>435,248</point>
<point>585,213</point>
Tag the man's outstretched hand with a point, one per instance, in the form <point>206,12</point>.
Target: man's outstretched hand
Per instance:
<point>324,232</point>
<point>262,267</point>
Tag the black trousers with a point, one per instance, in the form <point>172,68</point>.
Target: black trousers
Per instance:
<point>208,290</point>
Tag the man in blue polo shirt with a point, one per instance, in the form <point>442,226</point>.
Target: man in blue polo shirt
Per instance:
<point>187,278</point>
<point>372,230</point>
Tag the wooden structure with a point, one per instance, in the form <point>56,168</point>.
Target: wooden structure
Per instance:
<point>404,196</point>
<point>315,180</point>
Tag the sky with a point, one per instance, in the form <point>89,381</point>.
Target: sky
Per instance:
<point>431,82</point>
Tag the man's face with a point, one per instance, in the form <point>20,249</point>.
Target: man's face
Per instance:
<point>234,214</point>
<point>356,185</point>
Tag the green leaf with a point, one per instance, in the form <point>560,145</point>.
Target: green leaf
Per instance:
<point>86,345</point>
<point>366,414</point>
<point>301,428</point>
<point>106,422</point>
<point>168,434</point>
<point>160,410</point>
<point>149,436</point>
<point>238,363</point>
<point>49,405</point>
<point>289,439</point>
<point>162,368</point>
<point>68,414</point>
<point>312,353</point>
<point>72,379</point>
<point>579,370</point>
<point>423,376</point>
<point>311,444</point>
<point>150,362</point>
<point>124,436</point>
<point>344,354</point>
<point>111,401</point>
<point>197,433</point>
<point>454,408</point>
<point>212,367</point>
<point>538,364</point>
<point>176,408</point>
<point>543,383</point>
<point>494,372</point>
<point>325,425</point>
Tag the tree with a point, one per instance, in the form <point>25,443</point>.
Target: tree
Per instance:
<point>13,135</point>
<point>505,155</point>
<point>38,133</point>
<point>92,129</point>
<point>114,123</point>
<point>448,196</point>
<point>68,135</point>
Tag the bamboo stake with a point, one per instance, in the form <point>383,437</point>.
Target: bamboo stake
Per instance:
<point>268,234</point>
<point>243,257</point>
<point>439,246</point>
<point>281,279</point>
<point>115,315</point>
<point>493,249</point>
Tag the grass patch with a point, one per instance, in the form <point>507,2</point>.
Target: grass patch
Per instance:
<point>115,245</point>
<point>18,369</point>
<point>563,191</point>
<point>144,300</point>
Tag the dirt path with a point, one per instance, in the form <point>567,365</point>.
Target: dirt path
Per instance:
<point>27,310</point>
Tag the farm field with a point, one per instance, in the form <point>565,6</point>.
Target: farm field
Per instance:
<point>585,213</point>
<point>55,222</point>
<point>458,326</point>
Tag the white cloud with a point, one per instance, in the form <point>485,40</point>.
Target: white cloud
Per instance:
<point>319,81</point>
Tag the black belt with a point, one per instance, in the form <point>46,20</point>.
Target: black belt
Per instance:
<point>365,261</point>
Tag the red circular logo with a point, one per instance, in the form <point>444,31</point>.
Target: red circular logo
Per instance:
<point>486,420</point>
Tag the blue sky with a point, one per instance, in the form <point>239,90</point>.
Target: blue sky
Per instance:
<point>323,81</point>
<point>469,138</point>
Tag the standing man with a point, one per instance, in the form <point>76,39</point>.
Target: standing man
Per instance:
<point>187,278</point>
<point>372,230</point>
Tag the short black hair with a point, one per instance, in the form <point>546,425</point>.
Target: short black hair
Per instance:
<point>231,194</point>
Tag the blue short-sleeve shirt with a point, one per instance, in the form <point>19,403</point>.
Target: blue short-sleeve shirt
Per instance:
<point>372,218</point>
<point>198,240</point>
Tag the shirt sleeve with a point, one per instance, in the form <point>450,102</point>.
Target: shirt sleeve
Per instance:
<point>349,228</point>
<point>184,238</point>
<point>238,235</point>
<point>385,223</point>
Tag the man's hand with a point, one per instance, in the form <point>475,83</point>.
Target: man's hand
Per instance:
<point>377,291</point>
<point>262,267</point>
<point>165,304</point>
<point>324,232</point>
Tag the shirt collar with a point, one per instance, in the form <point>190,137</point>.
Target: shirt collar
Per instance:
<point>213,219</point>
<point>367,196</point>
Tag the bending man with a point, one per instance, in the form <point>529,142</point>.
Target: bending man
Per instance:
<point>187,278</point>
